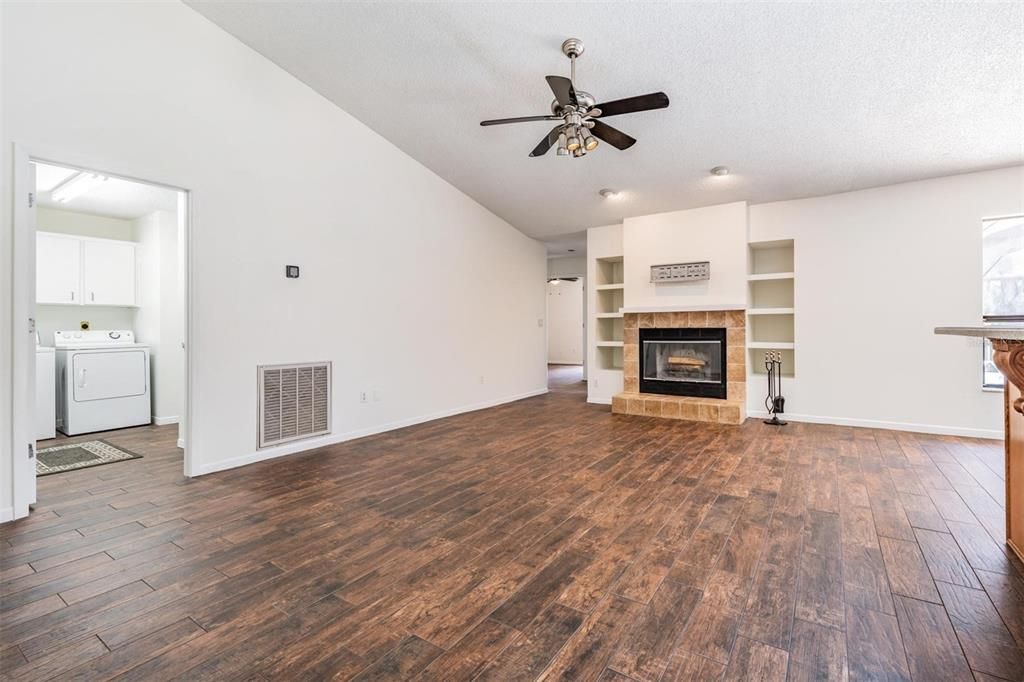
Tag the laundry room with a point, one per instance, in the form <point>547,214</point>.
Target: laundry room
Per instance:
<point>110,322</point>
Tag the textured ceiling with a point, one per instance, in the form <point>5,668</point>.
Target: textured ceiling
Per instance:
<point>799,99</point>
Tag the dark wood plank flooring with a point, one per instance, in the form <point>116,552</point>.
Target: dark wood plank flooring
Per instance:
<point>546,539</point>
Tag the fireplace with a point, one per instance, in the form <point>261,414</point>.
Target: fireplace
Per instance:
<point>686,361</point>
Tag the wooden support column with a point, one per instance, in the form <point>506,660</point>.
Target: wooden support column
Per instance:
<point>1009,358</point>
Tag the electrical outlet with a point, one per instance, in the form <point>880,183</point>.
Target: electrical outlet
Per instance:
<point>481,378</point>
<point>363,398</point>
<point>540,321</point>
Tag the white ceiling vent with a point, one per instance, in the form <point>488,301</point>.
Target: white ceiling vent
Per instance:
<point>295,402</point>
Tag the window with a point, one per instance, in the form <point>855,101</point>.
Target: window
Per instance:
<point>1002,249</point>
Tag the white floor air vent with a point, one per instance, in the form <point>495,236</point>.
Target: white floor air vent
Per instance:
<point>295,402</point>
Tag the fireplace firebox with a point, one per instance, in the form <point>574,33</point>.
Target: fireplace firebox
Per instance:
<point>688,361</point>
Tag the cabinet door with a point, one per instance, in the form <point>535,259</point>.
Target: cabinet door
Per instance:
<point>108,273</point>
<point>58,269</point>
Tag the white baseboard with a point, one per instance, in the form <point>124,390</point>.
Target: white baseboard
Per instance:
<point>935,429</point>
<point>313,443</point>
<point>599,401</point>
<point>6,514</point>
<point>164,421</point>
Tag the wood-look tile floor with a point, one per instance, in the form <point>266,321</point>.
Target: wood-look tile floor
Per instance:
<point>546,539</point>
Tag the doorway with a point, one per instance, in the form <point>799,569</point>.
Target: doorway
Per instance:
<point>105,284</point>
<point>567,334</point>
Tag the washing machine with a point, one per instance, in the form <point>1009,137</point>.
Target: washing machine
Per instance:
<point>102,381</point>
<point>46,399</point>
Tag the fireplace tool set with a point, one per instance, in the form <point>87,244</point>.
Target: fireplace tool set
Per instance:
<point>774,402</point>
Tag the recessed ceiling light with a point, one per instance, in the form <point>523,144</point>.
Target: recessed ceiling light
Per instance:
<point>720,170</point>
<point>610,193</point>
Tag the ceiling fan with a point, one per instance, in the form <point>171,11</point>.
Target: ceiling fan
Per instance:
<point>580,127</point>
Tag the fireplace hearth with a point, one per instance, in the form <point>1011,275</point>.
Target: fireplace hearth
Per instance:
<point>683,362</point>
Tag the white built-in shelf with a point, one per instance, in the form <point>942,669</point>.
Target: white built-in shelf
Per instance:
<point>609,315</point>
<point>771,286</point>
<point>609,287</point>
<point>769,311</point>
<point>610,344</point>
<point>770,276</point>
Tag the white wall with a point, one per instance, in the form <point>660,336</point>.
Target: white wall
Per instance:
<point>52,318</point>
<point>565,322</point>
<point>278,176</point>
<point>160,319</point>
<point>876,271</point>
<point>567,266</point>
<point>714,233</point>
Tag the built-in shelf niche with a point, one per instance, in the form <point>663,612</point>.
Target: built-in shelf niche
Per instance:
<point>772,309</point>
<point>609,357</point>
<point>771,258</point>
<point>755,363</point>
<point>609,301</point>
<point>609,271</point>
<point>609,329</point>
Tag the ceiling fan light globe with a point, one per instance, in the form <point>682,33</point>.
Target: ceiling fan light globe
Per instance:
<point>589,142</point>
<point>573,143</point>
<point>562,151</point>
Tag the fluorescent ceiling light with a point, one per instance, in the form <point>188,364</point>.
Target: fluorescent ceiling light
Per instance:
<point>77,186</point>
<point>48,177</point>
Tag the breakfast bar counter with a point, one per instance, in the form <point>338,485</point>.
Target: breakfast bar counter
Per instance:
<point>1008,354</point>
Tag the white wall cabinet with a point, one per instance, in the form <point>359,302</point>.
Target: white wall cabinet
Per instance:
<point>83,271</point>
<point>108,272</point>
<point>58,269</point>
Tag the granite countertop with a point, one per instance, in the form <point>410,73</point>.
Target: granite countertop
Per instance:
<point>1010,331</point>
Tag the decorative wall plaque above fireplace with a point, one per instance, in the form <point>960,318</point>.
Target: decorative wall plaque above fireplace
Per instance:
<point>683,361</point>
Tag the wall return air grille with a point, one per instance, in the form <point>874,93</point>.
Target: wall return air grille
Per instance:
<point>295,402</point>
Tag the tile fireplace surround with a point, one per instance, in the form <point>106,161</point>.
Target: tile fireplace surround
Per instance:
<point>732,410</point>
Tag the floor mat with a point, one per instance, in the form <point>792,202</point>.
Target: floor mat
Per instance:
<point>88,453</point>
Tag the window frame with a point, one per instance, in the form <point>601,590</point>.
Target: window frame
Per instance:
<point>994,318</point>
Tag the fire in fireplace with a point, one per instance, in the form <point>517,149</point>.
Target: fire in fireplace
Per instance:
<point>687,361</point>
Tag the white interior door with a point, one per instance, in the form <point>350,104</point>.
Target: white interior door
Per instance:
<point>23,422</point>
<point>58,269</point>
<point>109,273</point>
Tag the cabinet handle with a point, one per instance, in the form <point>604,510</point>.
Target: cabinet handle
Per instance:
<point>92,295</point>
<point>72,295</point>
<point>81,378</point>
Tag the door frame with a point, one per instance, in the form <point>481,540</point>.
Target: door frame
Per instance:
<point>23,322</point>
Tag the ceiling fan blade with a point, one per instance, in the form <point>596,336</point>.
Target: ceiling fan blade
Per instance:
<point>612,136</point>
<point>520,119</point>
<point>655,100</point>
<point>564,92</point>
<point>546,144</point>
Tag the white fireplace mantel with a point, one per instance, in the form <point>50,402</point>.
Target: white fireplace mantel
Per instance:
<point>685,308</point>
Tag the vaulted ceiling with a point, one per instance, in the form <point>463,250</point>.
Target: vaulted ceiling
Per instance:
<point>798,99</point>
